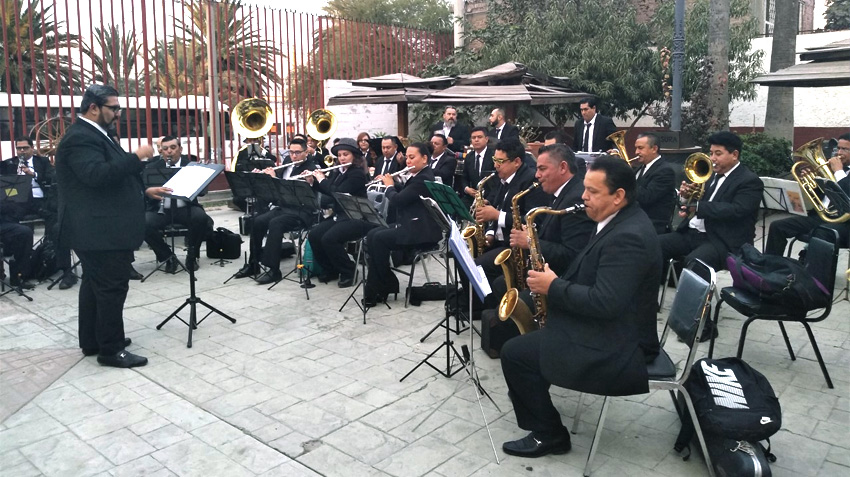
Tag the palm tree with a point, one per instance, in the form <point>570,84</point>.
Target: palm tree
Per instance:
<point>36,50</point>
<point>114,57</point>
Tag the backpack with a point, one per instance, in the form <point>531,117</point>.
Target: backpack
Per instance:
<point>224,244</point>
<point>776,280</point>
<point>43,263</point>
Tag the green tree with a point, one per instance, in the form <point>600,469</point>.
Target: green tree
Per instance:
<point>424,14</point>
<point>36,56</point>
<point>114,57</point>
<point>837,15</point>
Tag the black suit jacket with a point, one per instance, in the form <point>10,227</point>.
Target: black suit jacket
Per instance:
<point>445,168</point>
<point>508,131</point>
<point>471,177</point>
<point>730,219</point>
<point>459,134</point>
<point>352,181</point>
<point>600,328</point>
<point>656,194</point>
<point>101,196</point>
<point>394,165</point>
<point>247,163</point>
<point>414,220</point>
<point>158,162</point>
<point>521,181</point>
<point>562,237</point>
<point>602,128</point>
<point>41,165</point>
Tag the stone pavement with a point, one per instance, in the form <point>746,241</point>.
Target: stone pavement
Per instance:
<point>296,388</point>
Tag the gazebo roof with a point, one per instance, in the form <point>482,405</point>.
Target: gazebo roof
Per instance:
<point>828,65</point>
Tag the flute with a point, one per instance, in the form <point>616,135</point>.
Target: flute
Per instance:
<point>394,174</point>
<point>310,173</point>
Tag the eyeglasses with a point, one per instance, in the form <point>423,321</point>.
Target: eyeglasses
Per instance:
<point>295,153</point>
<point>115,109</point>
<point>500,161</point>
<point>23,148</point>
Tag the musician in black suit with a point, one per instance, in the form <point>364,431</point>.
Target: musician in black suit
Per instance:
<point>278,220</point>
<point>477,165</point>
<point>600,325</point>
<point>26,163</point>
<point>501,129</point>
<point>253,156</point>
<point>17,242</point>
<point>415,226</point>
<point>328,238</point>
<point>656,183</point>
<point>725,217</point>
<point>161,213</point>
<point>781,230</point>
<point>592,129</point>
<point>443,160</point>
<point>457,135</point>
<point>392,158</point>
<point>101,217</point>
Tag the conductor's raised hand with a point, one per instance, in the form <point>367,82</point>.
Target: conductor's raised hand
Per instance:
<point>539,282</point>
<point>145,152</point>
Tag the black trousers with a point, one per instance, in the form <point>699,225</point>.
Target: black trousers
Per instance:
<point>192,217</point>
<point>272,225</point>
<point>381,241</point>
<point>327,241</point>
<point>17,242</point>
<point>690,244</point>
<point>781,230</point>
<point>527,388</point>
<point>103,290</point>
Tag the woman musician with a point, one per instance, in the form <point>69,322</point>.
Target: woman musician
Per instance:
<point>415,227</point>
<point>328,238</point>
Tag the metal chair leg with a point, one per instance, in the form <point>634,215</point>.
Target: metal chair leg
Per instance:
<point>743,336</point>
<point>595,444</point>
<point>577,418</point>
<point>817,353</point>
<point>787,341</point>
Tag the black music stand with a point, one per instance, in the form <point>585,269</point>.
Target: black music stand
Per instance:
<point>255,187</point>
<point>296,194</point>
<point>188,188</point>
<point>157,177</point>
<point>360,208</point>
<point>780,195</point>
<point>15,191</point>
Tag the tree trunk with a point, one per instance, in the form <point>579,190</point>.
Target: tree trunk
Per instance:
<point>779,117</point>
<point>718,52</point>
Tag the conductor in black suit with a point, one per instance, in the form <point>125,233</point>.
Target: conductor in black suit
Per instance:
<point>161,213</point>
<point>101,217</point>
<point>457,135</point>
<point>725,218</point>
<point>600,325</point>
<point>656,183</point>
<point>414,225</point>
<point>501,129</point>
<point>443,161</point>
<point>592,129</point>
<point>477,164</point>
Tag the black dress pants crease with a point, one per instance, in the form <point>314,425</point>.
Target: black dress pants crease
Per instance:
<point>690,244</point>
<point>192,217</point>
<point>17,241</point>
<point>327,241</point>
<point>381,242</point>
<point>103,290</point>
<point>781,230</point>
<point>527,388</point>
<point>272,225</point>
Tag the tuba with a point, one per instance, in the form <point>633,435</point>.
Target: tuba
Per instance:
<point>512,260</point>
<point>252,118</point>
<point>511,305</point>
<point>697,170</point>
<point>619,140</point>
<point>321,125</point>
<point>812,166</point>
<point>474,234</point>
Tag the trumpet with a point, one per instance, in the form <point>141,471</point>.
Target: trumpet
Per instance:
<point>378,180</point>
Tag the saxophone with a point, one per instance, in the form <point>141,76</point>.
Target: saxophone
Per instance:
<point>512,260</point>
<point>474,234</point>
<point>513,307</point>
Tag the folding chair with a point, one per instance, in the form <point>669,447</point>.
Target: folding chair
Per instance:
<point>171,231</point>
<point>687,318</point>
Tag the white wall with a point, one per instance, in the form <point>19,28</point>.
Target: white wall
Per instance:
<point>357,118</point>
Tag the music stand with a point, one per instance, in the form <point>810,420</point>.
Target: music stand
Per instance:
<point>157,177</point>
<point>295,194</point>
<point>360,208</point>
<point>187,184</point>
<point>780,195</point>
<point>14,190</point>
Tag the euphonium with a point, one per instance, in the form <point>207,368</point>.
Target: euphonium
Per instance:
<point>619,140</point>
<point>511,305</point>
<point>476,231</point>
<point>697,170</point>
<point>512,260</point>
<point>805,171</point>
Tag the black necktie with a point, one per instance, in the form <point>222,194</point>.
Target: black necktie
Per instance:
<point>640,172</point>
<point>586,137</point>
<point>503,191</point>
<point>714,185</point>
<point>477,162</point>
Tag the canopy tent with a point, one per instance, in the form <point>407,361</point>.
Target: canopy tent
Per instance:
<point>828,65</point>
<point>506,94</point>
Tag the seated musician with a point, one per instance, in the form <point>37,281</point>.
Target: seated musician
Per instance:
<point>600,328</point>
<point>443,161</point>
<point>38,168</point>
<point>781,230</point>
<point>279,219</point>
<point>250,157</point>
<point>414,225</point>
<point>161,213</point>
<point>328,238</point>
<point>725,217</point>
<point>392,158</point>
<point>366,149</point>
<point>656,182</point>
<point>17,242</point>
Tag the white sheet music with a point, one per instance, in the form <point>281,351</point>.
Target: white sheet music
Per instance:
<point>189,181</point>
<point>475,273</point>
<point>785,195</point>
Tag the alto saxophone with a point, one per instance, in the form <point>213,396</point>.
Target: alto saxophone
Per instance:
<point>515,270</point>
<point>474,234</point>
<point>511,305</point>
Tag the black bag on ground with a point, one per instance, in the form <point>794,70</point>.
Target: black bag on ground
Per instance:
<point>495,332</point>
<point>43,263</point>
<point>776,279</point>
<point>224,244</point>
<point>731,458</point>
<point>431,291</point>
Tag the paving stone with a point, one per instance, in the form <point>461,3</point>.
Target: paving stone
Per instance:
<point>29,432</point>
<point>365,443</point>
<point>253,454</point>
<point>419,457</point>
<point>141,467</point>
<point>193,457</point>
<point>111,421</point>
<point>121,446</point>
<point>165,436</point>
<point>217,433</point>
<point>65,454</point>
<point>309,420</point>
<point>327,460</point>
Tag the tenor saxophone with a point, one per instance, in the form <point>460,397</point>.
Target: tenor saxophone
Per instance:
<point>474,234</point>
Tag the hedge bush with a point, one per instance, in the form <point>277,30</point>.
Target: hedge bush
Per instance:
<point>766,155</point>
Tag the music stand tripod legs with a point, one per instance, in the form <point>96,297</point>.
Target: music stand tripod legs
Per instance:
<point>192,302</point>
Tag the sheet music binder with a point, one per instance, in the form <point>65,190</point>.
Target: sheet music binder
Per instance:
<point>449,202</point>
<point>191,180</point>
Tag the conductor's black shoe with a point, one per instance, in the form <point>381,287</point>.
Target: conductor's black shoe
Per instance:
<point>270,276</point>
<point>122,359</point>
<point>94,351</point>
<point>171,265</point>
<point>534,445</point>
<point>249,270</point>
<point>328,277</point>
<point>134,275</point>
<point>345,282</point>
<point>68,280</point>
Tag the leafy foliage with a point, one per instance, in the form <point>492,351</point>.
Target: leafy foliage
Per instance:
<point>837,15</point>
<point>766,155</point>
<point>114,57</point>
<point>424,14</point>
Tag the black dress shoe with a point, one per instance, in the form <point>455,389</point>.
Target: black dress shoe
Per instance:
<point>171,265</point>
<point>534,445</point>
<point>68,280</point>
<point>22,284</point>
<point>122,359</point>
<point>269,277</point>
<point>345,282</point>
<point>328,277</point>
<point>249,270</point>
<point>94,351</point>
<point>134,275</point>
